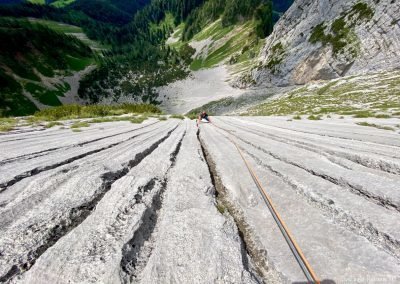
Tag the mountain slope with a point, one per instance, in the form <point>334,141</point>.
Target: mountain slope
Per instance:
<point>33,59</point>
<point>169,57</point>
<point>227,36</point>
<point>119,12</point>
<point>318,39</point>
<point>137,59</point>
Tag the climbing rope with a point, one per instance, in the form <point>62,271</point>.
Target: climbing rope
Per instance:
<point>294,247</point>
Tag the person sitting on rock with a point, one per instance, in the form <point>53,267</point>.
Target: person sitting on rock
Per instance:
<point>203,117</point>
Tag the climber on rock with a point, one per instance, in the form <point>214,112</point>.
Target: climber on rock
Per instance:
<point>203,117</point>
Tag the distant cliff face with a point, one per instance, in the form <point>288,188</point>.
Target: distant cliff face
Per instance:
<point>326,39</point>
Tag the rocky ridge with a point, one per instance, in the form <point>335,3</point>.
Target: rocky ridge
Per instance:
<point>324,39</point>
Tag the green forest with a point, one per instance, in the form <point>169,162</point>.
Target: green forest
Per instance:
<point>135,57</point>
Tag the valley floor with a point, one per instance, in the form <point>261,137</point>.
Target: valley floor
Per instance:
<point>167,202</point>
<point>201,87</point>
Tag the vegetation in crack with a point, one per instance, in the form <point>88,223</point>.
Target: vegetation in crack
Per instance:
<point>341,36</point>
<point>251,246</point>
<point>276,57</point>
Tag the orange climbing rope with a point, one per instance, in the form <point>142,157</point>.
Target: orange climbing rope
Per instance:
<point>297,252</point>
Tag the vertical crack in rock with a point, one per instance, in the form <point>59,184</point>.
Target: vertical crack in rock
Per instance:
<point>250,245</point>
<point>35,171</point>
<point>137,251</point>
<point>174,154</point>
<point>78,214</point>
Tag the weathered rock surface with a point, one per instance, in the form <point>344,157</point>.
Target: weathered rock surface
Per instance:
<point>332,184</point>
<point>125,203</point>
<point>114,205</point>
<point>355,37</point>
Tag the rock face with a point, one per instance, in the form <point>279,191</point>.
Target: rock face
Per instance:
<point>334,196</point>
<point>116,203</point>
<point>167,202</point>
<point>326,39</point>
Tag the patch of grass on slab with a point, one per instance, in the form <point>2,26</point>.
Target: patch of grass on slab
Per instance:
<point>138,120</point>
<point>314,117</point>
<point>191,116</point>
<point>364,123</point>
<point>364,114</point>
<point>177,116</point>
<point>80,124</point>
<point>382,116</point>
<point>92,111</point>
<point>7,124</point>
<point>52,124</point>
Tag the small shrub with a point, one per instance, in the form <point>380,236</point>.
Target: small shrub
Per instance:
<point>297,117</point>
<point>80,124</point>
<point>364,114</point>
<point>77,130</point>
<point>363,10</point>
<point>52,124</point>
<point>177,116</point>
<point>382,116</point>
<point>364,123</point>
<point>318,34</point>
<point>110,119</point>
<point>6,128</point>
<point>7,124</point>
<point>162,118</point>
<point>138,119</point>
<point>314,117</point>
<point>221,208</point>
<point>191,116</point>
<point>276,58</point>
<point>101,120</point>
